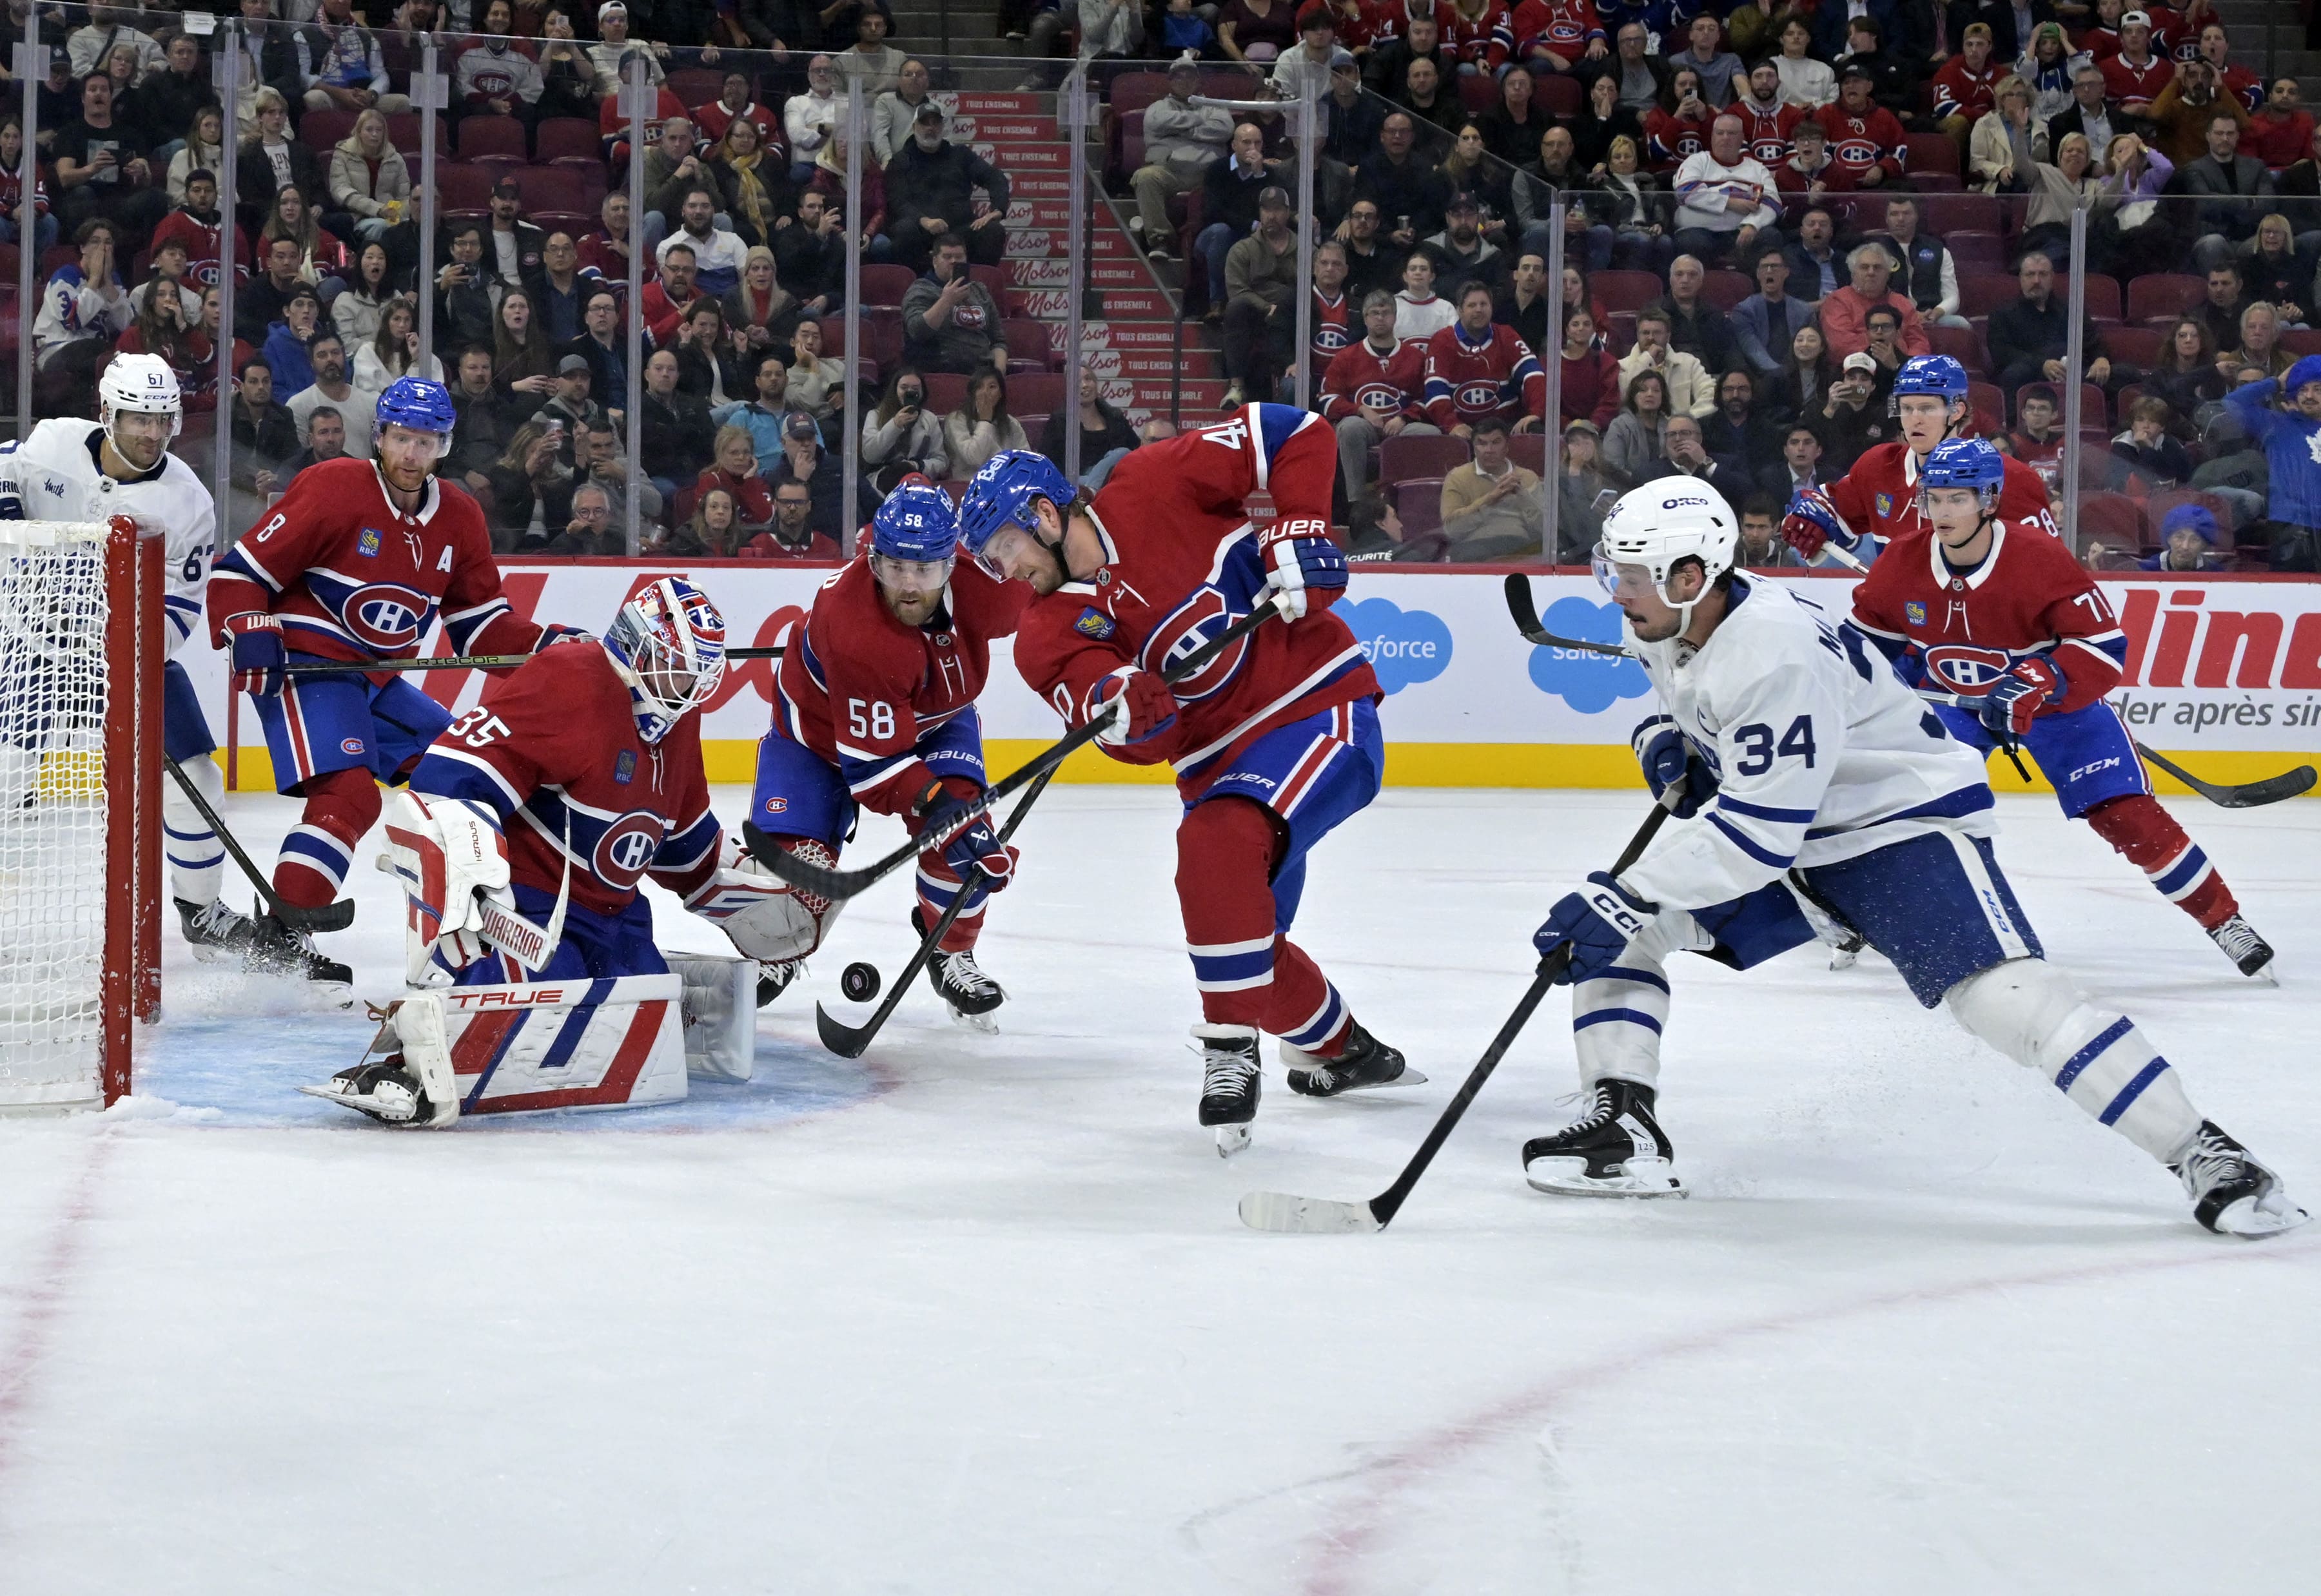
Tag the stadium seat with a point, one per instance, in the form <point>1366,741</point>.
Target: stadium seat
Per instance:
<point>2164,293</point>
<point>1620,331</point>
<point>885,283</point>
<point>1975,251</point>
<point>1981,293</point>
<point>2103,296</point>
<point>2300,340</point>
<point>946,392</point>
<point>488,137</point>
<point>1529,451</point>
<point>1930,154</point>
<point>1477,92</point>
<point>695,86</point>
<point>403,132</point>
<point>321,131</point>
<point>1418,504</point>
<point>1944,214</point>
<point>462,190</point>
<point>553,188</point>
<point>1041,391</point>
<point>2163,500</point>
<point>1134,91</point>
<point>882,339</point>
<point>575,138</point>
<point>2137,346</point>
<point>1027,340</point>
<point>1723,289</point>
<point>1402,457</point>
<point>2114,520</point>
<point>1962,344</point>
<point>993,277</point>
<point>1989,404</point>
<point>1937,182</point>
<point>1559,94</point>
<point>1626,290</point>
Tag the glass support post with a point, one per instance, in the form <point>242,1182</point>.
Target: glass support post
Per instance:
<point>1550,470</point>
<point>639,102</point>
<point>2074,375</point>
<point>850,450</point>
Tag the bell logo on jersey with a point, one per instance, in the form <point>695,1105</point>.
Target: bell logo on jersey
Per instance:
<point>385,617</point>
<point>1188,629</point>
<point>1963,670</point>
<point>627,846</point>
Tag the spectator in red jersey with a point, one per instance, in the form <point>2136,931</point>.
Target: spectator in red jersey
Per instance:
<point>793,535</point>
<point>1374,390</point>
<point>2281,132</point>
<point>1478,36</point>
<point>1677,127</point>
<point>735,468</point>
<point>1591,375</point>
<point>1965,87</point>
<point>2134,76</point>
<point>1866,141</point>
<point>2232,78</point>
<point>12,192</point>
<point>1811,175</point>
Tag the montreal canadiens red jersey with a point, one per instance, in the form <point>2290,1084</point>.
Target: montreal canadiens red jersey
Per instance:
<point>1961,630</point>
<point>1767,134</point>
<point>353,577</point>
<point>553,749</point>
<point>860,688</point>
<point>1468,378</point>
<point>1881,494</point>
<point>1562,26</point>
<point>1361,379</point>
<point>1670,139</point>
<point>1488,40</point>
<point>1857,143</point>
<point>1335,327</point>
<point>1181,564</point>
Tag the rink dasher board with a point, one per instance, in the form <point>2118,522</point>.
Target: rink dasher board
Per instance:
<point>2225,671</point>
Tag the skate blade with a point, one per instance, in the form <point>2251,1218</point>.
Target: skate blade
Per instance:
<point>2267,974</point>
<point>1844,958</point>
<point>1409,1077</point>
<point>1284,1214</point>
<point>2261,1214</point>
<point>1568,1177</point>
<point>359,1101</point>
<point>1232,1139</point>
<point>981,1023</point>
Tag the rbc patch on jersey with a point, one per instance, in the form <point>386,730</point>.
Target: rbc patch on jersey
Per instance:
<point>368,544</point>
<point>1914,610</point>
<point>626,766</point>
<point>1885,504</point>
<point>1094,623</point>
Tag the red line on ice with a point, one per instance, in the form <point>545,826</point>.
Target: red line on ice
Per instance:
<point>31,1334</point>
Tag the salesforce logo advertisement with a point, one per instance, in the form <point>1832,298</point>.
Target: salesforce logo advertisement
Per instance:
<point>1402,646</point>
<point>1589,683</point>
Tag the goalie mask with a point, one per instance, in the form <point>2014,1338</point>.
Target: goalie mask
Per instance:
<point>1660,523</point>
<point>139,384</point>
<point>669,642</point>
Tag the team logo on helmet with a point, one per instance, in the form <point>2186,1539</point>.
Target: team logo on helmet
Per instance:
<point>625,851</point>
<point>386,616</point>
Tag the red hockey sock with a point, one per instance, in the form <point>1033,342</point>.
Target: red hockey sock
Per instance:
<point>316,855</point>
<point>1248,975</point>
<point>1305,1010</point>
<point>938,885</point>
<point>2152,840</point>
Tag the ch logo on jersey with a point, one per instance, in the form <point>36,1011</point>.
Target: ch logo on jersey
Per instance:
<point>1965,669</point>
<point>385,616</point>
<point>1330,336</point>
<point>1188,629</point>
<point>627,846</point>
<point>1854,150</point>
<point>1378,396</point>
<point>1477,395</point>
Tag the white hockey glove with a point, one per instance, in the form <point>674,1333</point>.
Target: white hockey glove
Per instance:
<point>451,858</point>
<point>766,918</point>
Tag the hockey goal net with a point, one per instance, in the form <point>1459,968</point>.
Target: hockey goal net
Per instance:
<point>80,825</point>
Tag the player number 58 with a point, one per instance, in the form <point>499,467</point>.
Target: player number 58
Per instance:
<point>871,720</point>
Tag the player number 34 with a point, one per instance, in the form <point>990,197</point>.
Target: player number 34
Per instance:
<point>1757,749</point>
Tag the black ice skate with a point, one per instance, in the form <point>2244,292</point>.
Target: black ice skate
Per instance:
<point>1616,1150</point>
<point>1366,1062</point>
<point>215,933</point>
<point>971,994</point>
<point>774,978</point>
<point>2250,954</point>
<point>383,1089</point>
<point>277,950</point>
<point>1231,1083</point>
<point>2232,1193</point>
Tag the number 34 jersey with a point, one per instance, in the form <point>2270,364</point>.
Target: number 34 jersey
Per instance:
<point>1822,752</point>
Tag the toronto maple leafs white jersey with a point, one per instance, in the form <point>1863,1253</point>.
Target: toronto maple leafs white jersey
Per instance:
<point>54,474</point>
<point>1822,752</point>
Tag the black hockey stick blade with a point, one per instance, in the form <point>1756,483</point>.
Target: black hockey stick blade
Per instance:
<point>2273,789</point>
<point>331,917</point>
<point>847,1042</point>
<point>851,883</point>
<point>1526,620</point>
<point>1278,1212</point>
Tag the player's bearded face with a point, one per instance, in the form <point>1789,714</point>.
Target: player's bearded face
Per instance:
<point>1650,615</point>
<point>140,437</point>
<point>910,589</point>
<point>407,454</point>
<point>1016,555</point>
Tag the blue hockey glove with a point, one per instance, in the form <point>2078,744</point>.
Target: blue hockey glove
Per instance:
<point>1668,757</point>
<point>257,654</point>
<point>1812,521</point>
<point>977,846</point>
<point>1298,558</point>
<point>2027,688</point>
<point>1595,922</point>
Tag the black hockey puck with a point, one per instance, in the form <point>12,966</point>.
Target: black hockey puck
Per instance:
<point>859,983</point>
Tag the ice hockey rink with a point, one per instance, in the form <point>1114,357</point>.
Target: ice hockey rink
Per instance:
<point>975,1314</point>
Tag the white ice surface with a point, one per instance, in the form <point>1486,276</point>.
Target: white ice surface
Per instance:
<point>975,1314</point>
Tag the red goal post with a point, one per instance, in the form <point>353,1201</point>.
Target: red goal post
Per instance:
<point>81,650</point>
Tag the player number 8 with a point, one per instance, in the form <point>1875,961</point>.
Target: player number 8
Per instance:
<point>878,726</point>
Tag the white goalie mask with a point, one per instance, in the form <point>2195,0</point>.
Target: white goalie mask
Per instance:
<point>1660,523</point>
<point>143,384</point>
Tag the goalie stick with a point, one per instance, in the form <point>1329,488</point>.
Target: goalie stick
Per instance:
<point>847,1042</point>
<point>853,883</point>
<point>1280,1211</point>
<point>331,917</point>
<point>470,662</point>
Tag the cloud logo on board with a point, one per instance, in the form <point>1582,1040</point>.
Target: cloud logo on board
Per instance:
<point>1589,683</point>
<point>1402,646</point>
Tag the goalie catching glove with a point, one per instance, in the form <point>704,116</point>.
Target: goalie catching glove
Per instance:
<point>766,918</point>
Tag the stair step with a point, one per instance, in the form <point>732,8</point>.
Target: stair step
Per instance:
<point>1039,185</point>
<point>1048,304</point>
<point>1144,341</point>
<point>1012,158</point>
<point>1200,365</point>
<point>1154,393</point>
<point>984,102</point>
<point>1039,243</point>
<point>996,129</point>
<point>1055,272</point>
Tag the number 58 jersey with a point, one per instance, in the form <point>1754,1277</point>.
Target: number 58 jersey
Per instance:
<point>1822,752</point>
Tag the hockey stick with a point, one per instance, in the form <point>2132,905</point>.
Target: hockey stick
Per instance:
<point>851,883</point>
<point>468,662</point>
<point>847,1042</point>
<point>334,917</point>
<point>2273,789</point>
<point>1278,1211</point>
<point>1526,618</point>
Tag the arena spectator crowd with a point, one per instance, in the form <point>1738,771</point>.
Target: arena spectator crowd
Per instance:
<point>1766,207</point>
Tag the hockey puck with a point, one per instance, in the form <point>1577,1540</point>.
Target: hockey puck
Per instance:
<point>859,983</point>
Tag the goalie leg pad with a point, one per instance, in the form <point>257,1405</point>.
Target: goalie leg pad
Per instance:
<point>720,1014</point>
<point>2032,1012</point>
<point>579,1044</point>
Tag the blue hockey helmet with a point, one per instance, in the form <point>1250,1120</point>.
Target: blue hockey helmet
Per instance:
<point>1964,462</point>
<point>1936,377</point>
<point>1001,495</point>
<point>415,402</point>
<point>916,523</point>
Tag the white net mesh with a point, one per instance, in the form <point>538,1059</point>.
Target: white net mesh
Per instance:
<point>53,884</point>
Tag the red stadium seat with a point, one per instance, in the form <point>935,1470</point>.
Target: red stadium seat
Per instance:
<point>1981,293</point>
<point>1989,404</point>
<point>2114,521</point>
<point>695,86</point>
<point>1723,289</point>
<point>1418,504</point>
<point>2141,346</point>
<point>1477,92</point>
<point>1943,214</point>
<point>488,137</point>
<point>1529,451</point>
<point>884,284</point>
<point>2300,340</point>
<point>946,392</point>
<point>991,277</point>
<point>569,138</point>
<point>2103,296</point>
<point>1930,154</point>
<point>2164,293</point>
<point>1974,251</point>
<point>321,131</point>
<point>1961,344</point>
<point>2163,500</point>
<point>1027,340</point>
<point>551,188</point>
<point>1403,458</point>
<point>463,190</point>
<point>1626,290</point>
<point>1134,91</point>
<point>1559,94</point>
<point>403,132</point>
<point>1042,391</point>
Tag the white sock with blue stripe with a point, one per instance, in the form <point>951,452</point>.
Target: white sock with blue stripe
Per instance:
<point>2030,1010</point>
<point>197,857</point>
<point>1617,1015</point>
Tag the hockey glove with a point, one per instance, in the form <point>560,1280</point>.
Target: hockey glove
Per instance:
<point>1145,706</point>
<point>1667,757</point>
<point>1813,521</point>
<point>976,847</point>
<point>257,654</point>
<point>2030,686</point>
<point>556,631</point>
<point>1594,923</point>
<point>1299,559</point>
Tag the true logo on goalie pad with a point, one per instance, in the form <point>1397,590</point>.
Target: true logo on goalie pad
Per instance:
<point>584,1045</point>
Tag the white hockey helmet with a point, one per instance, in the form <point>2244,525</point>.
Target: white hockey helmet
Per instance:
<point>1662,523</point>
<point>142,383</point>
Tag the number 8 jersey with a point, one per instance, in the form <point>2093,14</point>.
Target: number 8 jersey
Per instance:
<point>1822,752</point>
